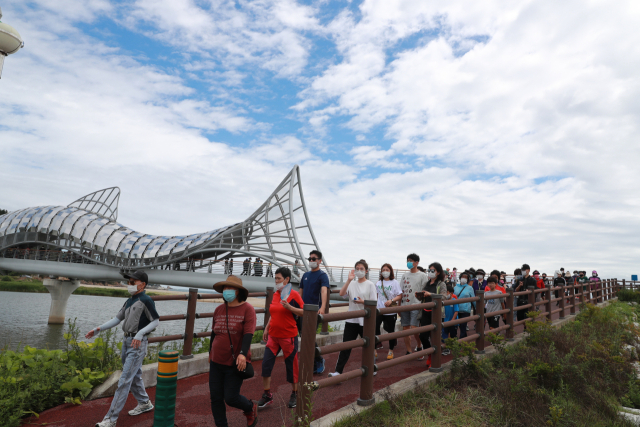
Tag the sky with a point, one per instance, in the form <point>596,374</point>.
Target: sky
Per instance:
<point>476,134</point>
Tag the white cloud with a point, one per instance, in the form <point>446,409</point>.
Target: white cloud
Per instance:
<point>512,126</point>
<point>266,34</point>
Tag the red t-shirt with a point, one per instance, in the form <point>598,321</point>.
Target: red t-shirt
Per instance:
<point>283,323</point>
<point>242,320</point>
<point>501,289</point>
<point>540,283</point>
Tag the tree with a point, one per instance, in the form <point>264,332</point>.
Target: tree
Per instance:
<point>3,211</point>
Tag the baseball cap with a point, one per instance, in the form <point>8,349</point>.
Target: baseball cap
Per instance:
<point>137,275</point>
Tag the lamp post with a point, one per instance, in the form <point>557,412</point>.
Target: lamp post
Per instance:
<point>10,41</point>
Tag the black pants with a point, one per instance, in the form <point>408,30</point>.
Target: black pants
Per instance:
<point>425,337</point>
<point>463,326</point>
<point>351,332</point>
<point>224,387</point>
<point>522,314</point>
<point>389,322</point>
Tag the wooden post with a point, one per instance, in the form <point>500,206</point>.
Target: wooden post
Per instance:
<point>436,335</point>
<point>583,297</point>
<point>532,298</point>
<point>572,296</point>
<point>510,303</point>
<point>306,362</point>
<point>267,305</point>
<point>563,299</point>
<point>189,325</point>
<point>480,323</point>
<point>548,304</point>
<point>368,358</point>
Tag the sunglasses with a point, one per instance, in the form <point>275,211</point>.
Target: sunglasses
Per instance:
<point>313,259</point>
<point>431,270</point>
<point>132,281</point>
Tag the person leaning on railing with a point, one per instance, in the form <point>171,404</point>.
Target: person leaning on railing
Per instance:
<point>435,285</point>
<point>493,305</point>
<point>464,290</point>
<point>522,283</point>
<point>232,329</point>
<point>315,289</point>
<point>281,333</point>
<point>358,291</point>
<point>389,292</point>
<point>412,281</point>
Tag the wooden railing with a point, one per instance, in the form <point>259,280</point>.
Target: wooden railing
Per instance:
<point>570,298</point>
<point>191,315</point>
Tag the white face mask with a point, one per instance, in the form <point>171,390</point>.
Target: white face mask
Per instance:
<point>360,274</point>
<point>279,286</point>
<point>132,289</point>
<point>386,274</point>
<point>313,264</point>
<point>479,277</point>
<point>431,275</point>
<point>463,281</point>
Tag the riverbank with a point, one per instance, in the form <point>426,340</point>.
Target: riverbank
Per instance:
<point>36,286</point>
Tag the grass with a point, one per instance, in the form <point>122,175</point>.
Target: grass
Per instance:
<point>577,375</point>
<point>36,286</point>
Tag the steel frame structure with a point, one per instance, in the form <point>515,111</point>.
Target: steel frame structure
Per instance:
<point>87,230</point>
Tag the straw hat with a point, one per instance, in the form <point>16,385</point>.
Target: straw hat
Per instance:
<point>234,282</point>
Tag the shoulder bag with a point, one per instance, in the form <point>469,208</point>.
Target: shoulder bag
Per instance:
<point>248,370</point>
<point>393,303</point>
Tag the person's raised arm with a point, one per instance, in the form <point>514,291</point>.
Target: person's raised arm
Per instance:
<point>108,325</point>
<point>343,290</point>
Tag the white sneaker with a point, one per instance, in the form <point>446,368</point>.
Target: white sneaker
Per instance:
<point>106,423</point>
<point>334,374</point>
<point>141,408</point>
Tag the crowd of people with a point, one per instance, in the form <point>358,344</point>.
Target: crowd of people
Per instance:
<point>234,322</point>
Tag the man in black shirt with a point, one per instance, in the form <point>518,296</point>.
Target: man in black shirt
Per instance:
<point>522,283</point>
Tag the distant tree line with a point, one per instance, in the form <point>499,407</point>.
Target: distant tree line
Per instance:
<point>3,211</point>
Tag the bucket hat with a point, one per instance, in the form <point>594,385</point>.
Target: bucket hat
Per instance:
<point>234,282</point>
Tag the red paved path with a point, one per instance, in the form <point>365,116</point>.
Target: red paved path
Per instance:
<point>193,404</point>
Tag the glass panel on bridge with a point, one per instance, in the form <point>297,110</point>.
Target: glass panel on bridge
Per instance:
<point>152,248</point>
<point>82,224</point>
<point>48,217</point>
<point>35,219</point>
<point>92,230</point>
<point>141,245</point>
<point>67,224</point>
<point>166,248</point>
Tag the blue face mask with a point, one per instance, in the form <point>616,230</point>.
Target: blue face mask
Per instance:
<point>229,295</point>
<point>409,265</point>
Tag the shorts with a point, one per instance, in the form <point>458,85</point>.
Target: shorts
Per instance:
<point>493,321</point>
<point>410,318</point>
<point>289,347</point>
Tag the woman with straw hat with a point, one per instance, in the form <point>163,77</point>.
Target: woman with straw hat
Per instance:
<point>234,324</point>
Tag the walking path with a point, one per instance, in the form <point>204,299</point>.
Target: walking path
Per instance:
<point>193,404</point>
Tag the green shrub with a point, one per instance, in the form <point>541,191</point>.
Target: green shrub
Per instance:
<point>6,279</point>
<point>37,379</point>
<point>628,295</point>
<point>576,375</point>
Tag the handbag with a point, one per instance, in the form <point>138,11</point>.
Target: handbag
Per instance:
<point>393,303</point>
<point>248,370</point>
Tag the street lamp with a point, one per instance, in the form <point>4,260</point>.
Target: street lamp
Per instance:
<point>10,41</point>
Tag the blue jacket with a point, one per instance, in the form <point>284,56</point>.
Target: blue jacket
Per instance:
<point>464,291</point>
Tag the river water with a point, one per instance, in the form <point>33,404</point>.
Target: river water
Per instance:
<point>23,318</point>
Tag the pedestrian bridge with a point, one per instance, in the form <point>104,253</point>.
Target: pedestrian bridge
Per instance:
<point>84,241</point>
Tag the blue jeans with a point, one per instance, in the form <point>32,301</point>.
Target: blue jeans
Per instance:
<point>131,378</point>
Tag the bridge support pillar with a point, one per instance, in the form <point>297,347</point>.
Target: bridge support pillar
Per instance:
<point>60,291</point>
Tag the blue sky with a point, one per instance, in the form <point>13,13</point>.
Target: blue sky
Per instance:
<point>482,135</point>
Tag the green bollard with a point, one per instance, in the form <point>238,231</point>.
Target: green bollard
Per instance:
<point>165,410</point>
